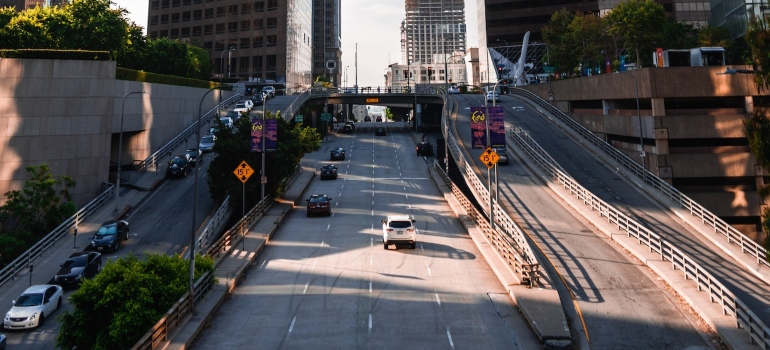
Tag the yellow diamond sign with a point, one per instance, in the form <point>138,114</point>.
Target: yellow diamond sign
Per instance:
<point>243,172</point>
<point>489,157</point>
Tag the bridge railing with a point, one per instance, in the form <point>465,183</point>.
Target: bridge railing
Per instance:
<point>731,305</point>
<point>296,105</point>
<point>747,245</point>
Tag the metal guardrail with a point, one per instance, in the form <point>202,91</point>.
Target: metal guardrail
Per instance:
<point>182,137</point>
<point>295,106</point>
<point>25,259</point>
<point>212,226</point>
<point>730,304</point>
<point>733,236</point>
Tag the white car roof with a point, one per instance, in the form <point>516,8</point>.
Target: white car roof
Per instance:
<point>40,288</point>
<point>399,218</point>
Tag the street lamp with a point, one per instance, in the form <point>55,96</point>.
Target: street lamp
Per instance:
<point>503,40</point>
<point>120,145</point>
<point>221,63</point>
<point>195,196</point>
<point>639,116</point>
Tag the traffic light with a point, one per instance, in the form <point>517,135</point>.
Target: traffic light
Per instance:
<point>500,70</point>
<point>406,74</point>
<point>430,72</point>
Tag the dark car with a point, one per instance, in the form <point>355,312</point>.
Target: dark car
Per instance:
<point>109,236</point>
<point>329,171</point>
<point>378,119</point>
<point>503,154</point>
<point>193,156</point>
<point>2,341</point>
<point>319,204</point>
<point>257,99</point>
<point>352,125</point>
<point>76,268</point>
<point>379,131</point>
<point>207,143</point>
<point>338,154</point>
<point>367,118</point>
<point>424,149</point>
<point>347,129</point>
<point>178,166</point>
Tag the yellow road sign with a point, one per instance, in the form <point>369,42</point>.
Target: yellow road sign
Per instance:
<point>372,100</point>
<point>243,172</point>
<point>489,157</point>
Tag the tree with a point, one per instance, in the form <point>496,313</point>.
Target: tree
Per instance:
<point>589,32</point>
<point>638,23</point>
<point>41,205</point>
<point>714,36</point>
<point>678,35</point>
<point>116,308</point>
<point>558,36</point>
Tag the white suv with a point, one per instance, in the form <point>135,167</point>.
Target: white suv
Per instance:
<point>399,229</point>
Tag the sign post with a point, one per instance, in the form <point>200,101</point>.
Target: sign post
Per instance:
<point>243,172</point>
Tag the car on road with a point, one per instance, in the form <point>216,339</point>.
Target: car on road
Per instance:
<point>207,143</point>
<point>193,156</point>
<point>78,267</point>
<point>227,121</point>
<point>109,236</point>
<point>424,149</point>
<point>242,107</point>
<point>329,171</point>
<point>213,130</point>
<point>493,96</point>
<point>453,89</point>
<point>33,306</point>
<point>338,154</point>
<point>367,118</point>
<point>234,115</point>
<point>378,119</point>
<point>269,91</point>
<point>319,204</point>
<point>399,229</point>
<point>352,125</point>
<point>258,99</point>
<point>503,154</point>
<point>347,129</point>
<point>178,167</point>
<point>379,131</point>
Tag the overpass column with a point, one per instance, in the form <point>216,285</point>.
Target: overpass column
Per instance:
<point>657,158</point>
<point>417,117</point>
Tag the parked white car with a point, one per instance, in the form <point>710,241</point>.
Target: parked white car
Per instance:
<point>243,106</point>
<point>493,96</point>
<point>33,306</point>
<point>399,229</point>
<point>453,89</point>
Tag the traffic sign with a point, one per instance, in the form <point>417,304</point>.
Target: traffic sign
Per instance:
<point>549,69</point>
<point>489,157</point>
<point>298,118</point>
<point>326,117</point>
<point>243,172</point>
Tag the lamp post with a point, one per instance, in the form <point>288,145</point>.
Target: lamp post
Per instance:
<point>503,40</point>
<point>120,145</point>
<point>262,178</point>
<point>195,197</point>
<point>639,116</point>
<point>221,63</point>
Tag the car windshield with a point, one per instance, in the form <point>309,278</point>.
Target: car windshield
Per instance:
<point>178,161</point>
<point>207,139</point>
<point>240,105</point>
<point>191,153</point>
<point>318,199</point>
<point>107,230</point>
<point>400,224</point>
<point>32,299</point>
<point>77,261</point>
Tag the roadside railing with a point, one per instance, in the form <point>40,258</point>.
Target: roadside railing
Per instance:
<point>24,260</point>
<point>733,236</point>
<point>296,105</point>
<point>718,293</point>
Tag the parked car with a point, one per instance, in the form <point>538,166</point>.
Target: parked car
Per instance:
<point>453,89</point>
<point>207,143</point>
<point>493,96</point>
<point>338,154</point>
<point>378,119</point>
<point>213,130</point>
<point>503,154</point>
<point>109,236</point>
<point>178,167</point>
<point>79,266</point>
<point>329,171</point>
<point>347,129</point>
<point>367,118</point>
<point>319,204</point>
<point>399,229</point>
<point>227,121</point>
<point>424,149</point>
<point>193,156</point>
<point>241,107</point>
<point>269,91</point>
<point>234,115</point>
<point>258,99</point>
<point>33,306</point>
<point>379,131</point>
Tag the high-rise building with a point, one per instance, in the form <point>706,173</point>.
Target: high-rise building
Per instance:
<point>734,15</point>
<point>21,5</point>
<point>259,41</point>
<point>327,42</point>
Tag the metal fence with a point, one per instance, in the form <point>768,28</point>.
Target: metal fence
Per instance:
<point>733,236</point>
<point>730,304</point>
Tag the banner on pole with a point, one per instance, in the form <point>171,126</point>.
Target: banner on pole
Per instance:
<point>264,130</point>
<point>478,127</point>
<point>497,126</point>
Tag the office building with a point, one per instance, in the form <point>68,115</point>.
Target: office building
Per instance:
<point>735,14</point>
<point>327,42</point>
<point>260,41</point>
<point>21,5</point>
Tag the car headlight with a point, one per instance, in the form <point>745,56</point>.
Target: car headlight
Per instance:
<point>8,316</point>
<point>31,318</point>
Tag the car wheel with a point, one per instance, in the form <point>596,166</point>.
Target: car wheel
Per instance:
<point>117,246</point>
<point>58,304</point>
<point>42,320</point>
<point>385,245</point>
<point>414,246</point>
<point>308,214</point>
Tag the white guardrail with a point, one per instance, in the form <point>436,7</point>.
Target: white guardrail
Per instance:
<point>731,305</point>
<point>733,236</point>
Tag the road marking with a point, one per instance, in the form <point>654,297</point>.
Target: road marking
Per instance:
<point>429,272</point>
<point>307,285</point>
<point>264,262</point>
<point>370,323</point>
<point>449,335</point>
<point>371,242</point>
<point>371,261</point>
<point>438,300</point>
<point>328,226</point>
<point>295,319</point>
<point>370,287</point>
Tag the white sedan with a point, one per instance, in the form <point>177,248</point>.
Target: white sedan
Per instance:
<point>33,306</point>
<point>453,90</point>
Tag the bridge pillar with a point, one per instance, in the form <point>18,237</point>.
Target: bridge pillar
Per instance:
<point>417,117</point>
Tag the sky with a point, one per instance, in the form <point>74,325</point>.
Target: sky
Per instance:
<point>373,25</point>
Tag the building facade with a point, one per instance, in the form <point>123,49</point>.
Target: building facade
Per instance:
<point>735,15</point>
<point>21,5</point>
<point>327,40</point>
<point>260,41</point>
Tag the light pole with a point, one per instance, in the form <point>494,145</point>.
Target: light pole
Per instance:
<point>262,178</point>
<point>120,145</point>
<point>195,198</point>
<point>346,77</point>
<point>503,40</point>
<point>221,63</point>
<point>639,116</point>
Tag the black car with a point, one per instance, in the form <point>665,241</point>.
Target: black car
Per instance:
<point>424,149</point>
<point>379,131</point>
<point>257,99</point>
<point>352,125</point>
<point>367,118</point>
<point>178,166</point>
<point>329,171</point>
<point>109,236</point>
<point>319,204</point>
<point>193,156</point>
<point>338,154</point>
<point>378,119</point>
<point>347,129</point>
<point>79,266</point>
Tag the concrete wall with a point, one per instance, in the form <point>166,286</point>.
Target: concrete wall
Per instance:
<point>66,114</point>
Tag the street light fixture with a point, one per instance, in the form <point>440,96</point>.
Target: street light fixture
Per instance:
<point>503,40</point>
<point>120,145</point>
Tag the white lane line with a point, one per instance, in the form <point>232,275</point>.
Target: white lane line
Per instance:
<point>429,274</point>
<point>371,261</point>
<point>370,287</point>
<point>421,247</point>
<point>371,242</point>
<point>328,226</point>
<point>264,262</point>
<point>307,285</point>
<point>438,300</point>
<point>370,323</point>
<point>322,243</point>
<point>292,323</point>
<point>449,336</point>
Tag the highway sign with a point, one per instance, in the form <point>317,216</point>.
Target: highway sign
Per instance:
<point>372,100</point>
<point>549,69</point>
<point>326,117</point>
<point>243,172</point>
<point>489,157</point>
<point>298,118</point>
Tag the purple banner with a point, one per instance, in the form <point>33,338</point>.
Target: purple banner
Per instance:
<point>497,126</point>
<point>270,129</point>
<point>478,127</point>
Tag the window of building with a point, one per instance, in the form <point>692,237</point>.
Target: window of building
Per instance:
<point>153,34</point>
<point>221,11</point>
<point>163,34</point>
<point>186,32</point>
<point>208,13</point>
<point>245,25</point>
<point>207,45</point>
<point>246,8</point>
<point>272,40</point>
<point>272,22</point>
<point>271,61</point>
<point>233,9</point>
<point>186,16</point>
<point>208,29</point>
<point>220,28</point>
<point>259,6</point>
<point>197,14</point>
<point>244,64</point>
<point>272,5</point>
<point>154,5</point>
<point>232,27</point>
<point>154,20</point>
<point>245,43</point>
<point>186,2</point>
<point>197,1</point>
<point>219,45</point>
<point>175,17</point>
<point>259,23</point>
<point>257,65</point>
<point>257,41</point>
<point>175,3</point>
<point>163,19</point>
<point>196,31</point>
<point>174,33</point>
<point>164,3</point>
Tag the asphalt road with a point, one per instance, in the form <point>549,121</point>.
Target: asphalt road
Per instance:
<point>624,305</point>
<point>327,282</point>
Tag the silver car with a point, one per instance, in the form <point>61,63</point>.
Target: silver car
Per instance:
<point>33,306</point>
<point>207,143</point>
